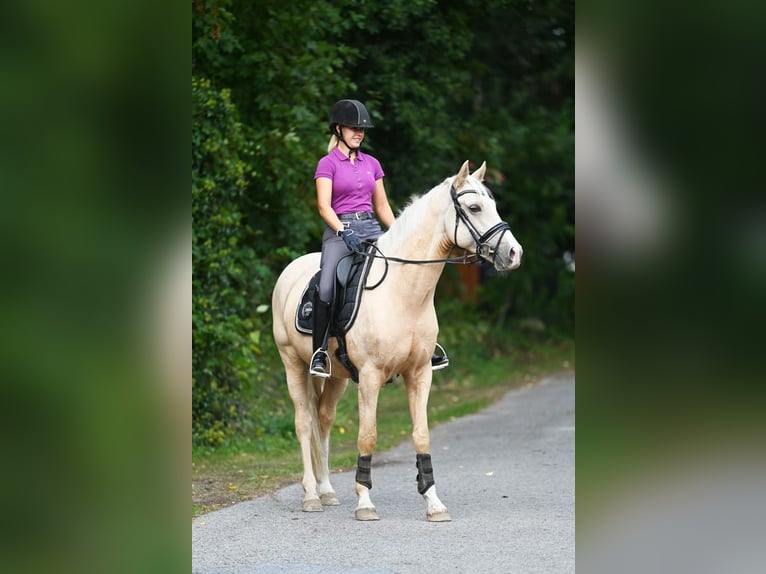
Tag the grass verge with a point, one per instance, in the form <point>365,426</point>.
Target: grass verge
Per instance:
<point>248,467</point>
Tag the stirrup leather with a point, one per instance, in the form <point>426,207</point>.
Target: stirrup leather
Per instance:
<point>328,364</point>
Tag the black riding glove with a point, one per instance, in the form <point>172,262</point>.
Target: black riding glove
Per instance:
<point>350,239</point>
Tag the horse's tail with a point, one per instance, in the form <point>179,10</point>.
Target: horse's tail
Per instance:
<point>315,386</point>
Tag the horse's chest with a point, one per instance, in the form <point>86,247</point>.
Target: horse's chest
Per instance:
<point>395,335</point>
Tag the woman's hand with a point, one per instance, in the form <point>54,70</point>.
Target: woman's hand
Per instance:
<point>351,240</point>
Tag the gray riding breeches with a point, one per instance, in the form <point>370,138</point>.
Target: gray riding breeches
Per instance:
<point>334,248</point>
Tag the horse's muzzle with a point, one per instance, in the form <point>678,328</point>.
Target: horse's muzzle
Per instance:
<point>508,258</point>
<point>498,246</point>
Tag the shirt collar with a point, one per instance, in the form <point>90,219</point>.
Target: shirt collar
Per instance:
<point>343,157</point>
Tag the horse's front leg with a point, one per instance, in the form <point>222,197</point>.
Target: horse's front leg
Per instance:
<point>418,388</point>
<point>369,388</point>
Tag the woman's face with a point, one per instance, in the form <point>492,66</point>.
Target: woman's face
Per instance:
<point>352,136</point>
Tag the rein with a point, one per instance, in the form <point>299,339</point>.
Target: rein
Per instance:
<point>466,259</point>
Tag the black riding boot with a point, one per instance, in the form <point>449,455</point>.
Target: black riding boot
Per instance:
<point>319,360</point>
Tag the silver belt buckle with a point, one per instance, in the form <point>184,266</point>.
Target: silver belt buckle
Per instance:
<point>356,215</point>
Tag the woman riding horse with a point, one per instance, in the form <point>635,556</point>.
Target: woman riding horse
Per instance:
<point>394,333</point>
<point>349,185</point>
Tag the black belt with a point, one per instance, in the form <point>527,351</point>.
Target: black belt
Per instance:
<point>356,215</point>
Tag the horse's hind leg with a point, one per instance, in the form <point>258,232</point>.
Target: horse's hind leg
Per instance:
<point>305,418</point>
<point>328,402</point>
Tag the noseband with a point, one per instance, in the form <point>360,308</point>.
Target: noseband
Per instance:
<point>483,248</point>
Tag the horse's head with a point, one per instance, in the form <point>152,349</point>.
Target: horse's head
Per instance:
<point>478,227</point>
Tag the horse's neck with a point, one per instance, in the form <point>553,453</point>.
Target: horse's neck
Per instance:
<point>416,235</point>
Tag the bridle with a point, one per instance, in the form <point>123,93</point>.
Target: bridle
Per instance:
<point>483,249</point>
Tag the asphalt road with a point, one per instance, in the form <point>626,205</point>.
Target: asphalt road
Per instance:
<point>506,475</point>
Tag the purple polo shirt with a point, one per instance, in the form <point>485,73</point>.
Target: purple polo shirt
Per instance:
<point>352,184</point>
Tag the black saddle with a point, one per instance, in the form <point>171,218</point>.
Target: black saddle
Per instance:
<point>350,278</point>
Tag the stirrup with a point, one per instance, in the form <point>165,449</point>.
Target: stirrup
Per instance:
<point>438,363</point>
<point>328,365</point>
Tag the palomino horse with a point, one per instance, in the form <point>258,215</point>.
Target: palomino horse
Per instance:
<point>394,332</point>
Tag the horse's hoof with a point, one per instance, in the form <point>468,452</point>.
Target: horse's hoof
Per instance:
<point>312,505</point>
<point>329,499</point>
<point>366,514</point>
<point>442,516</point>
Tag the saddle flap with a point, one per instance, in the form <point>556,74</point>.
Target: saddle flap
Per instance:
<point>344,271</point>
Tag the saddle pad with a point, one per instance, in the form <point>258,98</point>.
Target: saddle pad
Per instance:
<point>305,312</point>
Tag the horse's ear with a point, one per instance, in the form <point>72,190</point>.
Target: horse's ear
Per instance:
<point>461,176</point>
<point>479,173</point>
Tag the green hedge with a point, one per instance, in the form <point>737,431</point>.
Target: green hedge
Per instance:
<point>230,285</point>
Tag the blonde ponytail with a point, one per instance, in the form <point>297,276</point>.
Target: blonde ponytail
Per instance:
<point>333,143</point>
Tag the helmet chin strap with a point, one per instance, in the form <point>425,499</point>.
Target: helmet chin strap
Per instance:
<point>351,150</point>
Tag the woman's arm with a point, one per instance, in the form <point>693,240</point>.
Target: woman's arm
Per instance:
<point>380,203</point>
<point>324,203</point>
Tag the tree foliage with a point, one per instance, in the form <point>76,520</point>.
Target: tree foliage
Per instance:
<point>444,81</point>
<point>225,337</point>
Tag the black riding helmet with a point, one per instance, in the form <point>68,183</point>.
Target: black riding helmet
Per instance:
<point>351,113</point>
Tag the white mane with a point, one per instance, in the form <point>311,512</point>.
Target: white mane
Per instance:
<point>423,210</point>
<point>418,212</point>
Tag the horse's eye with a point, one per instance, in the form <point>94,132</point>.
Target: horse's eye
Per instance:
<point>475,208</point>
